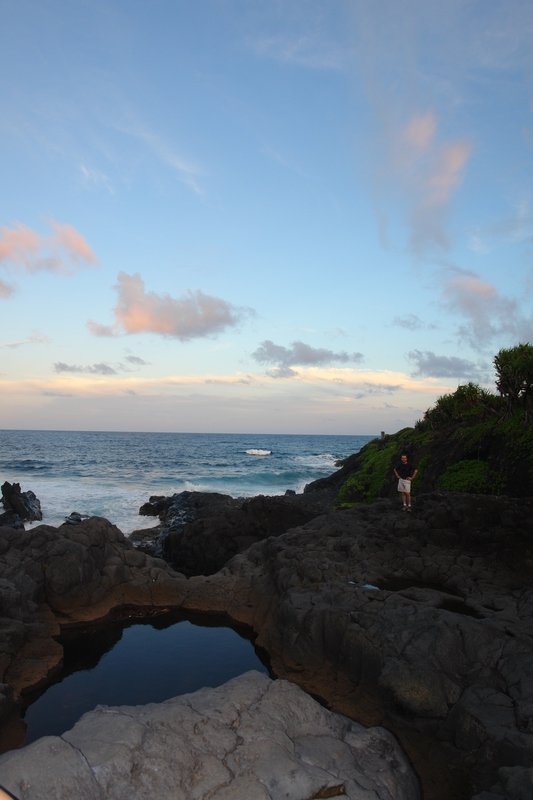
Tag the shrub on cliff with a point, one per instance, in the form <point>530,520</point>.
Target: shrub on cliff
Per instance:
<point>514,370</point>
<point>373,476</point>
<point>467,402</point>
<point>471,476</point>
<point>471,440</point>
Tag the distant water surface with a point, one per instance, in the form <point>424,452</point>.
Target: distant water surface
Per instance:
<point>113,474</point>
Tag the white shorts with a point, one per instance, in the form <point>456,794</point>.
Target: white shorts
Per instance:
<point>404,485</point>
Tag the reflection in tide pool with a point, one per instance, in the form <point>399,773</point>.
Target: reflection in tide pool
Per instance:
<point>138,663</point>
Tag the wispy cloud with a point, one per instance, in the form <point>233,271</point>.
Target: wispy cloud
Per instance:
<point>187,170</point>
<point>299,353</point>
<point>190,317</point>
<point>310,50</point>
<point>427,364</point>
<point>412,323</point>
<point>418,164</point>
<point>514,229</point>
<point>94,177</point>
<point>136,360</point>
<point>102,368</point>
<point>93,369</point>
<point>366,389</point>
<point>488,314</point>
<point>35,338</point>
<point>276,156</point>
<point>22,248</point>
<point>428,173</point>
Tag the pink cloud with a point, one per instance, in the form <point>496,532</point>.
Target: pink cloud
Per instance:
<point>487,314</point>
<point>192,316</point>
<point>468,288</point>
<point>420,130</point>
<point>19,245</point>
<point>64,251</point>
<point>73,243</point>
<point>427,173</point>
<point>449,163</point>
<point>5,289</point>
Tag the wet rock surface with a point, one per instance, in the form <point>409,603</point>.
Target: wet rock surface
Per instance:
<point>249,739</point>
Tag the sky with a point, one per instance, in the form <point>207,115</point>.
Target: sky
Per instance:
<point>271,216</point>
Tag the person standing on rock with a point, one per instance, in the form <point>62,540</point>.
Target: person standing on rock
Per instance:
<point>405,472</point>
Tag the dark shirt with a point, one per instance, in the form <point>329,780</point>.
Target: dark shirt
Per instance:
<point>405,470</point>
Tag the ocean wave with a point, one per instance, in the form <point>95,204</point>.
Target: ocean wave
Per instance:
<point>113,474</point>
<point>190,486</point>
<point>320,461</point>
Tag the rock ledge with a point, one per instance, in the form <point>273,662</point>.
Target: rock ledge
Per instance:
<point>251,739</point>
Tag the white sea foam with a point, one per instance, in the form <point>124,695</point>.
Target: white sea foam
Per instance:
<point>320,461</point>
<point>119,504</point>
<point>113,474</point>
<point>189,486</point>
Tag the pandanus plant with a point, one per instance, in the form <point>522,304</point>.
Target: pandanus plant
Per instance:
<point>514,371</point>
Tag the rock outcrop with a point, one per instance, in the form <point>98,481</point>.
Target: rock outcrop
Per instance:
<point>422,623</point>
<point>58,576</point>
<point>18,506</point>
<point>200,531</point>
<point>251,739</point>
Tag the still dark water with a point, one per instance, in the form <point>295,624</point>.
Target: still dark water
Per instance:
<point>138,663</point>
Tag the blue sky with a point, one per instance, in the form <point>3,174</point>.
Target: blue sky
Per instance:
<point>249,216</point>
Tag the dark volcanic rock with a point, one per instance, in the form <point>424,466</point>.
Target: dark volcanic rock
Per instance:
<point>74,518</point>
<point>11,520</point>
<point>175,512</point>
<point>334,481</point>
<point>206,530</point>
<point>19,505</point>
<point>157,505</point>
<point>422,622</point>
<point>51,577</point>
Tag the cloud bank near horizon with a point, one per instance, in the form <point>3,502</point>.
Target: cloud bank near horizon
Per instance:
<point>102,368</point>
<point>193,316</point>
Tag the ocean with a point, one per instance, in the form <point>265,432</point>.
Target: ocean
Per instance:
<point>113,474</point>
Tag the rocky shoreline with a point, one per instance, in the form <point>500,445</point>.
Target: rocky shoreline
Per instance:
<point>420,623</point>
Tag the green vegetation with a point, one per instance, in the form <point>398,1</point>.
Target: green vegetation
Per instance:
<point>514,370</point>
<point>467,402</point>
<point>374,476</point>
<point>474,477</point>
<point>471,440</point>
<point>421,469</point>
